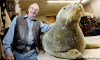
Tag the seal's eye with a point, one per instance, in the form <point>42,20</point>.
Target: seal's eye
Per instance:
<point>64,8</point>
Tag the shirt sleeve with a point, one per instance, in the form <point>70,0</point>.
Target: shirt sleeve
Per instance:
<point>45,27</point>
<point>9,37</point>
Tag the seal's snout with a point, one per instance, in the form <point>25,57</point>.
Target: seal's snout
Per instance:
<point>77,3</point>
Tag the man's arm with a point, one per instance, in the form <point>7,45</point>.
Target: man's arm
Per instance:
<point>9,37</point>
<point>45,27</point>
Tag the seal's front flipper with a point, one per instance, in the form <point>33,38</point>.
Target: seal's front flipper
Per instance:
<point>71,54</point>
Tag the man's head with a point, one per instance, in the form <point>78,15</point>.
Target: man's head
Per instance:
<point>33,10</point>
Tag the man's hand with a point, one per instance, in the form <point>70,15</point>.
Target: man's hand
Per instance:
<point>9,56</point>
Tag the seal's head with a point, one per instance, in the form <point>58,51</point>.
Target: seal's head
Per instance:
<point>70,13</point>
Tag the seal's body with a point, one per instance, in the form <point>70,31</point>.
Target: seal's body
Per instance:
<point>65,39</point>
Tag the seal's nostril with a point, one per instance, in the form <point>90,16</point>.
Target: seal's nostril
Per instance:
<point>77,3</point>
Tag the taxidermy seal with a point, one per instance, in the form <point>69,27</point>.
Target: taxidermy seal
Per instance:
<point>65,39</point>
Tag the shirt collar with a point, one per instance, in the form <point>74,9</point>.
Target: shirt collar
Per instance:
<point>28,18</point>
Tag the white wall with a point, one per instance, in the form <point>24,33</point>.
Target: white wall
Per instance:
<point>95,4</point>
<point>88,8</point>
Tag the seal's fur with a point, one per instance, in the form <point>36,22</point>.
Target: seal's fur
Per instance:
<point>65,39</point>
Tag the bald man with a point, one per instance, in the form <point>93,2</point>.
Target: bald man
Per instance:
<point>23,35</point>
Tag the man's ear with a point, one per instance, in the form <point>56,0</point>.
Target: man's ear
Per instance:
<point>37,14</point>
<point>28,9</point>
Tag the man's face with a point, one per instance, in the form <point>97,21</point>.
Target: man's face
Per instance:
<point>33,10</point>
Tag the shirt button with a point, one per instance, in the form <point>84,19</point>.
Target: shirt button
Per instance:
<point>18,40</point>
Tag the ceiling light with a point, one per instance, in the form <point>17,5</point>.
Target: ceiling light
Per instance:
<point>68,1</point>
<point>83,1</point>
<point>63,1</point>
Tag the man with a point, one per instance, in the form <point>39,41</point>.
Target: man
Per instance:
<point>22,36</point>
